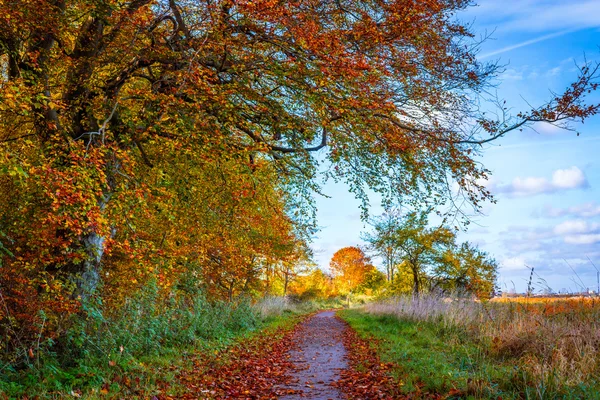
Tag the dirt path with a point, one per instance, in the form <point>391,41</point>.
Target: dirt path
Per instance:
<point>318,359</point>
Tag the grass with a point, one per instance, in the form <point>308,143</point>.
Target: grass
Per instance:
<point>137,350</point>
<point>158,374</point>
<point>428,360</point>
<point>471,350</point>
<point>278,305</point>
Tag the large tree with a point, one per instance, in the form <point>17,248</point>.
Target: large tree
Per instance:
<point>420,245</point>
<point>430,255</point>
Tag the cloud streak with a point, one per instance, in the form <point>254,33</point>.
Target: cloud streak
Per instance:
<point>536,15</point>
<point>578,226</point>
<point>527,43</point>
<point>542,143</point>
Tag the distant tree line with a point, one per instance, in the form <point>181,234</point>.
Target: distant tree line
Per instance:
<point>419,257</point>
<point>416,258</point>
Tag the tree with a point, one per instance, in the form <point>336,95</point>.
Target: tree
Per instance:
<point>350,268</point>
<point>420,245</point>
<point>105,90</point>
<point>467,269</point>
<point>403,283</point>
<point>316,284</point>
<point>429,255</point>
<point>408,238</point>
<point>286,270</point>
<point>374,281</point>
<point>382,241</point>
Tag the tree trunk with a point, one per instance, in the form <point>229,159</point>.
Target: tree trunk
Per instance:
<point>417,285</point>
<point>286,280</point>
<point>230,292</point>
<point>89,277</point>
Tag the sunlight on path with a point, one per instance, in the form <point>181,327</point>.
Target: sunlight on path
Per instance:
<point>318,359</point>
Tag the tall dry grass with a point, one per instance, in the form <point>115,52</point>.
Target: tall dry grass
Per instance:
<point>554,348</point>
<point>274,306</point>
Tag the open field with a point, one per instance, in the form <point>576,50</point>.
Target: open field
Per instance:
<point>534,348</point>
<point>552,305</point>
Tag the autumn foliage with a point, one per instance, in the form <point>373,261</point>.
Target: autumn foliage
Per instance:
<point>169,141</point>
<point>367,377</point>
<point>351,268</point>
<point>246,370</point>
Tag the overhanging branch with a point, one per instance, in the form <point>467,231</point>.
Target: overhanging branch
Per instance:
<point>296,150</point>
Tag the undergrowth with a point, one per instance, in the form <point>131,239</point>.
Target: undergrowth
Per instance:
<point>135,349</point>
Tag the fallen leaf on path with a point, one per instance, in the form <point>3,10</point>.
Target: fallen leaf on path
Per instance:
<point>367,378</point>
<point>251,369</point>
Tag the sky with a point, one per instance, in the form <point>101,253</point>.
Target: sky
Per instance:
<point>546,180</point>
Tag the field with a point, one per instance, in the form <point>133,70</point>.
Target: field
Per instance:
<point>532,348</point>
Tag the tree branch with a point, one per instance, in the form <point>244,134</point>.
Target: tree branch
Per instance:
<point>295,150</point>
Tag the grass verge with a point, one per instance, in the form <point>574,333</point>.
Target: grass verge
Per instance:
<point>429,358</point>
<point>140,351</point>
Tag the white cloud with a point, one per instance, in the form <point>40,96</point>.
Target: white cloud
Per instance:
<point>585,210</point>
<point>562,179</point>
<point>570,178</point>
<point>513,264</point>
<point>578,232</point>
<point>557,15</point>
<point>574,239</point>
<point>583,239</point>
<point>554,72</point>
<point>488,182</point>
<point>530,185</point>
<point>542,248</point>
<point>543,19</point>
<point>590,209</point>
<point>549,15</point>
<point>575,226</point>
<point>522,246</point>
<point>547,129</point>
<point>511,74</point>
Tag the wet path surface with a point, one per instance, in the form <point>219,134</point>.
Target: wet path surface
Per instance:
<point>318,359</point>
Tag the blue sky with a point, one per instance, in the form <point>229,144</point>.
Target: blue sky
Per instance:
<point>547,180</point>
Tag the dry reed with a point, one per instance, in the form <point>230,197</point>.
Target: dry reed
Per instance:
<point>555,342</point>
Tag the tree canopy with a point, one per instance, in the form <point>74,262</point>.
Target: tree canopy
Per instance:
<point>429,257</point>
<point>466,269</point>
<point>351,268</point>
